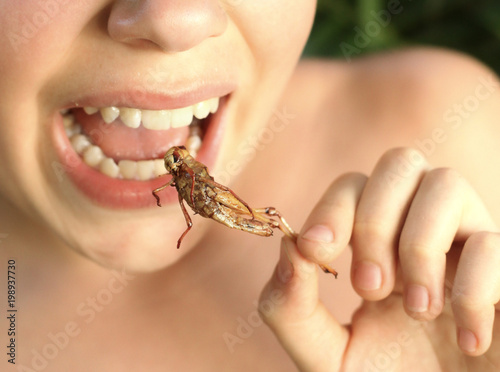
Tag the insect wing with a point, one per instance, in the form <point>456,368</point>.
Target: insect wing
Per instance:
<point>227,199</point>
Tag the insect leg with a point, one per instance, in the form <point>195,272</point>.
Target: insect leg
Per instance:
<point>193,181</point>
<point>225,188</point>
<point>288,231</point>
<point>327,269</point>
<point>284,226</point>
<point>156,191</point>
<point>189,223</point>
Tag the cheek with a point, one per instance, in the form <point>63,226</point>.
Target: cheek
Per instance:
<point>274,30</point>
<point>269,37</point>
<point>32,40</point>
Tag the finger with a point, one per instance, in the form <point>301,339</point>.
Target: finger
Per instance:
<point>290,306</point>
<point>444,207</point>
<point>379,218</point>
<point>328,229</point>
<point>475,292</point>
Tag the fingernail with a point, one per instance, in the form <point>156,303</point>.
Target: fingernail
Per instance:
<point>285,266</point>
<point>467,340</point>
<point>319,233</point>
<point>417,298</point>
<point>367,276</point>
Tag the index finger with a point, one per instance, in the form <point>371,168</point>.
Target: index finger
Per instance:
<point>328,228</point>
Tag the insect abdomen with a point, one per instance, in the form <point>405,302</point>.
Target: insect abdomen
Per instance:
<point>256,227</point>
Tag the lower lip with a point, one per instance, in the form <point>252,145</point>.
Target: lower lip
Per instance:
<point>128,194</point>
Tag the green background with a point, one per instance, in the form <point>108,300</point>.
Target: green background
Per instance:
<point>471,26</point>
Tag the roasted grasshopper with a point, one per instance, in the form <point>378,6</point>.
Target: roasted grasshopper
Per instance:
<point>212,200</point>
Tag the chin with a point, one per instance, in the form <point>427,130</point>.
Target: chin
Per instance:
<point>136,247</point>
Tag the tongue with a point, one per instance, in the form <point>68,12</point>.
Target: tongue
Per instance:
<point>118,141</point>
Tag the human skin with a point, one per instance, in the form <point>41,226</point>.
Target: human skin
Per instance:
<point>138,57</point>
<point>256,48</point>
<point>133,54</point>
<point>425,228</point>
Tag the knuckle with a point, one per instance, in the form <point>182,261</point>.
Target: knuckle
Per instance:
<point>407,157</point>
<point>370,230</point>
<point>417,251</point>
<point>400,165</point>
<point>350,177</point>
<point>339,194</point>
<point>448,178</point>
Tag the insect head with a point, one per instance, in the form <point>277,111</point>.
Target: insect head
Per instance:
<point>174,158</point>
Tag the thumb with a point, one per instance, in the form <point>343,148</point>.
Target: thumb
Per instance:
<point>290,306</point>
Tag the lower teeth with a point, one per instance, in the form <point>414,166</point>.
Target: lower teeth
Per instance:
<point>142,170</point>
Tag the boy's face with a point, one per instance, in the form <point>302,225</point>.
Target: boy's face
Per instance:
<point>147,56</point>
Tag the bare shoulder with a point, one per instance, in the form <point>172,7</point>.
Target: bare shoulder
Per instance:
<point>419,79</point>
<point>444,103</point>
<point>431,93</point>
<point>431,75</point>
<point>450,103</point>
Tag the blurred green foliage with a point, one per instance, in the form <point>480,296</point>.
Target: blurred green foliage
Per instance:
<point>348,28</point>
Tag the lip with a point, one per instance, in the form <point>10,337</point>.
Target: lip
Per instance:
<point>137,98</point>
<point>129,194</point>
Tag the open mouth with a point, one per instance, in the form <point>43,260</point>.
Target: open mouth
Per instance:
<point>119,150</point>
<point>123,142</point>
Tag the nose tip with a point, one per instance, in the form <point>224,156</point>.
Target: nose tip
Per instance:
<point>171,25</point>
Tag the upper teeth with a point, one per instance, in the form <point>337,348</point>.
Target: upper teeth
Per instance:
<point>157,119</point>
<point>161,119</point>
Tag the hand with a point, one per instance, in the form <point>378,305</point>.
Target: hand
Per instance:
<point>416,234</point>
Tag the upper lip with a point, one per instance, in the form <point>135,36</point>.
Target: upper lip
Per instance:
<point>140,99</point>
<point>120,76</point>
